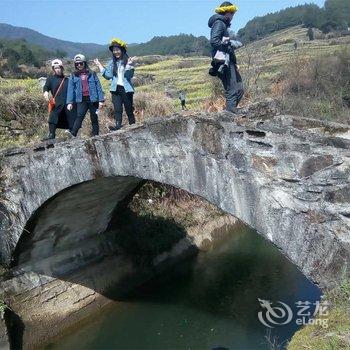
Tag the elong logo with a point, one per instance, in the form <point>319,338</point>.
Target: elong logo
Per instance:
<point>279,313</point>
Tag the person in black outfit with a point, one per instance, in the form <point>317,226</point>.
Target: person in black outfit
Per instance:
<point>59,117</point>
<point>231,79</point>
<point>130,96</point>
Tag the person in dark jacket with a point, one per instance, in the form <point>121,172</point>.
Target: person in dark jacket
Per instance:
<point>84,89</point>
<point>120,71</point>
<point>231,79</point>
<point>182,98</point>
<point>57,84</point>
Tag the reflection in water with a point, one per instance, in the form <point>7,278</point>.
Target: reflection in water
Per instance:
<point>206,302</point>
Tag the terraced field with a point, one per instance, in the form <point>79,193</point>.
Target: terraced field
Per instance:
<point>171,76</point>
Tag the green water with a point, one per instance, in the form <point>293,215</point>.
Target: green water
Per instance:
<point>207,302</point>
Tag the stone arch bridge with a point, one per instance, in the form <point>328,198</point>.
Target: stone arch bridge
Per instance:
<point>284,176</point>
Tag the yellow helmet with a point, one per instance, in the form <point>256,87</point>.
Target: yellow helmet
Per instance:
<point>117,42</point>
<point>226,7</point>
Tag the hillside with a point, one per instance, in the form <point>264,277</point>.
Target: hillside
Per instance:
<point>270,67</point>
<point>334,16</point>
<point>262,62</point>
<point>183,44</point>
<point>20,59</point>
<point>10,32</point>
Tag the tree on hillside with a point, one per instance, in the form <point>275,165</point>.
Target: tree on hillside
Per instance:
<point>60,53</point>
<point>27,56</point>
<point>337,12</point>
<point>12,58</point>
<point>20,52</point>
<point>259,27</point>
<point>313,16</point>
<point>334,16</point>
<point>182,44</point>
<point>310,34</point>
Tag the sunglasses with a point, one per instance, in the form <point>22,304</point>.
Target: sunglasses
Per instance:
<point>79,64</point>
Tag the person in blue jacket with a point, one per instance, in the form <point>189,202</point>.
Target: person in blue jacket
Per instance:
<point>120,71</point>
<point>84,89</point>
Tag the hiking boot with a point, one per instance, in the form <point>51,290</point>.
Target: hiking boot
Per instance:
<point>69,134</point>
<point>113,128</point>
<point>234,111</point>
<point>50,136</point>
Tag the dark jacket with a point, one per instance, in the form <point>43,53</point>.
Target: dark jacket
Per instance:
<point>59,115</point>
<point>52,83</point>
<point>219,25</point>
<point>75,89</point>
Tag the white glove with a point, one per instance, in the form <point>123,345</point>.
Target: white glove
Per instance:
<point>225,39</point>
<point>46,95</point>
<point>236,44</point>
<point>69,106</point>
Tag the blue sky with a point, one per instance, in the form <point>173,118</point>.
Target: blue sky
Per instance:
<point>133,21</point>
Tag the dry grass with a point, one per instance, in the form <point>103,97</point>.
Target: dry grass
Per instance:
<point>23,114</point>
<point>319,88</point>
<point>152,104</point>
<point>159,200</point>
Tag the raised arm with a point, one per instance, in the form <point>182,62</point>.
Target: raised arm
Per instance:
<point>129,68</point>
<point>107,73</point>
<point>99,64</point>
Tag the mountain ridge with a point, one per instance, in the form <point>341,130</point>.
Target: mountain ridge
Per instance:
<point>10,32</point>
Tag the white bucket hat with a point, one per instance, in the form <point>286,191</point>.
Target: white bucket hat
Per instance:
<point>56,62</point>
